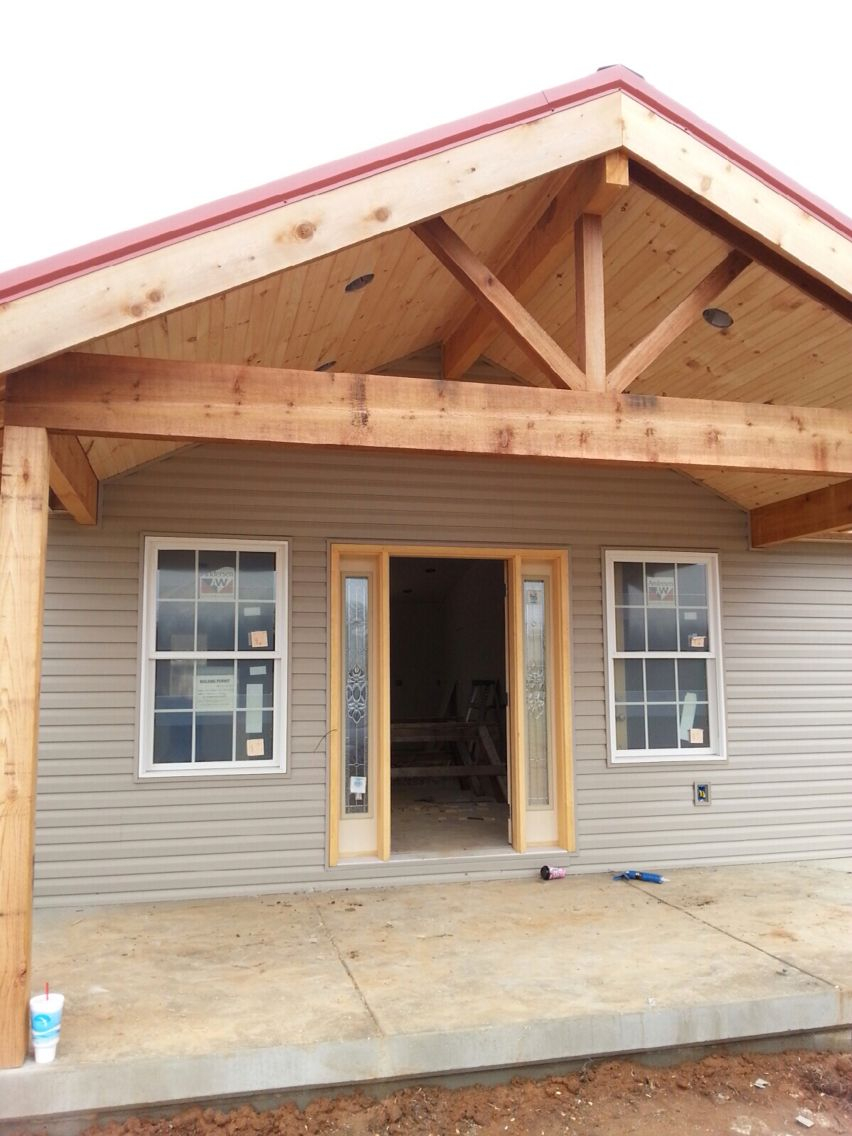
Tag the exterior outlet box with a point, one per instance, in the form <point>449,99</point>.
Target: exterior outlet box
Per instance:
<point>701,792</point>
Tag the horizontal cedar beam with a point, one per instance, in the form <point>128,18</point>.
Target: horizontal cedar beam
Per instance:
<point>592,188</point>
<point>129,397</point>
<point>822,511</point>
<point>679,320</point>
<point>72,479</point>
<point>494,298</point>
<point>737,238</point>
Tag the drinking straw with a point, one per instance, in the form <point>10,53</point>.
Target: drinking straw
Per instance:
<point>47,991</point>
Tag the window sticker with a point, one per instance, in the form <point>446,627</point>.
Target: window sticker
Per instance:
<point>661,589</point>
<point>258,639</point>
<point>687,716</point>
<point>219,582</point>
<point>254,708</point>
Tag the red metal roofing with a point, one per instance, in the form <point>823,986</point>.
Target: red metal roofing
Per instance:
<point>124,246</point>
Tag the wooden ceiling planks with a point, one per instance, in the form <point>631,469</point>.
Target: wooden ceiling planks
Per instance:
<point>751,490</point>
<point>303,317</point>
<point>784,347</point>
<point>110,457</point>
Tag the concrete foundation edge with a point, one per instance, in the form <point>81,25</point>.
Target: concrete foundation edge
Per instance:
<point>34,1092</point>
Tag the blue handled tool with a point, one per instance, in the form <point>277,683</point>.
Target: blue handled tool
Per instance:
<point>646,877</point>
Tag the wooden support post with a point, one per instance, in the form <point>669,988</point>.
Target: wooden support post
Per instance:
<point>589,290</point>
<point>23,540</point>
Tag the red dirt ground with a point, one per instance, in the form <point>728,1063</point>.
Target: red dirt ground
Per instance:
<point>613,1098</point>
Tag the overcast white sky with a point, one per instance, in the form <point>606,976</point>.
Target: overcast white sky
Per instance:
<point>115,114</point>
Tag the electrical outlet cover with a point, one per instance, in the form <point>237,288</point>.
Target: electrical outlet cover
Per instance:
<point>701,792</point>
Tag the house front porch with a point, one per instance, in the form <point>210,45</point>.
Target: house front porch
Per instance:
<point>178,1001</point>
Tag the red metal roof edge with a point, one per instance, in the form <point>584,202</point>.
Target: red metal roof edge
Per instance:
<point>41,274</point>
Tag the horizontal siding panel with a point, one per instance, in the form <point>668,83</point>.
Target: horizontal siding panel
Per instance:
<point>166,794</point>
<point>143,833</point>
<point>787,630</point>
<point>149,873</point>
<point>185,849</point>
<point>736,797</point>
<point>238,812</point>
<point>698,823</point>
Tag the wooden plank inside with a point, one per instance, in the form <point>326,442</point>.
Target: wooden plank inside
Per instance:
<point>198,402</point>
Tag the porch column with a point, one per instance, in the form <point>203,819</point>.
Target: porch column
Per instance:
<point>23,540</point>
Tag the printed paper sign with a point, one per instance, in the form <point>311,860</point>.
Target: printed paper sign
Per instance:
<point>696,736</point>
<point>249,612</point>
<point>254,747</point>
<point>259,670</point>
<point>699,641</point>
<point>214,692</point>
<point>358,785</point>
<point>258,639</point>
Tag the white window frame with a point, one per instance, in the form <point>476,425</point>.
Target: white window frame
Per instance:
<point>149,656</point>
<point>716,748</point>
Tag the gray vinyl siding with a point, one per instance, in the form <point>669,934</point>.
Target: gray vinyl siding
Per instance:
<point>102,836</point>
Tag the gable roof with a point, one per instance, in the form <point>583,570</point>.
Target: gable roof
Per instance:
<point>258,278</point>
<point>18,282</point>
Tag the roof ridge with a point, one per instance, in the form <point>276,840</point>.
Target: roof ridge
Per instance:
<point>34,277</point>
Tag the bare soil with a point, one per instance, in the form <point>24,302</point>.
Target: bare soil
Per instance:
<point>748,1095</point>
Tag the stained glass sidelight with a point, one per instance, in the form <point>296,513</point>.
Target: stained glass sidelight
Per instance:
<point>535,694</point>
<point>356,599</point>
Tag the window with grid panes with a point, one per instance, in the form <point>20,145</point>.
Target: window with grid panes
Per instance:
<point>663,656</point>
<point>214,639</point>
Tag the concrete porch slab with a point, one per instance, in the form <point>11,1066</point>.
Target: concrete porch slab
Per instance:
<point>172,1002</point>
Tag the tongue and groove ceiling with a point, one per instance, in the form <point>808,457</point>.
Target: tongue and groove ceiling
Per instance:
<point>783,347</point>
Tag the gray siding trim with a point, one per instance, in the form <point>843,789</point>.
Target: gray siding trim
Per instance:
<point>784,793</point>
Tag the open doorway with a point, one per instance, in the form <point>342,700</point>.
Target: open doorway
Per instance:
<point>464,625</point>
<point>449,769</point>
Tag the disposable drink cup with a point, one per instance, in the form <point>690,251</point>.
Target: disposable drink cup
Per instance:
<point>45,1022</point>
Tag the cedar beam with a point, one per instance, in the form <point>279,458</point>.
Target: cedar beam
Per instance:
<point>494,298</point>
<point>593,188</point>
<point>72,479</point>
<point>649,349</point>
<point>129,397</point>
<point>822,511</point>
<point>23,540</point>
<point>737,238</point>
<point>589,293</point>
